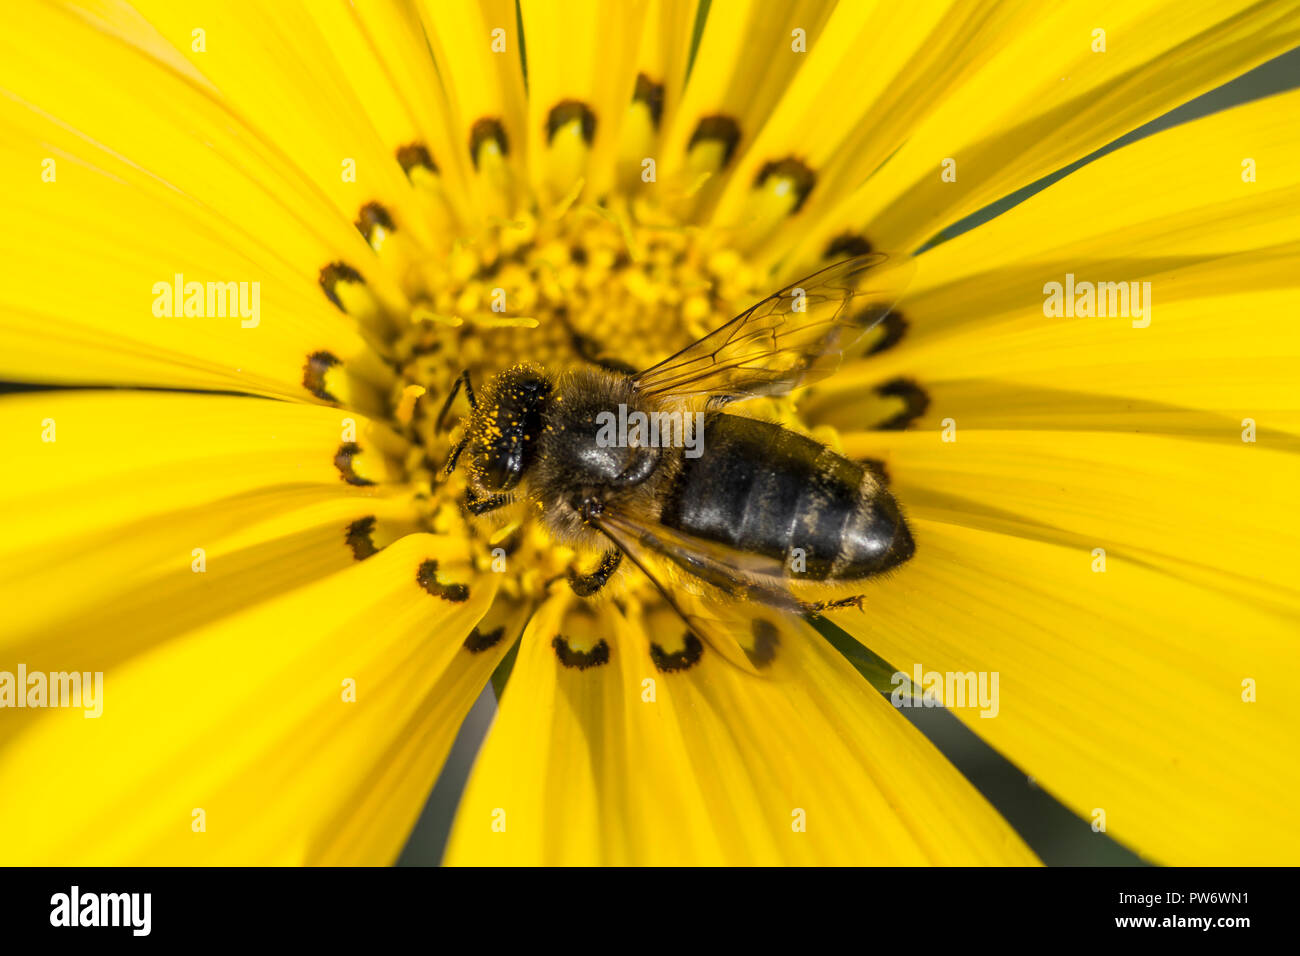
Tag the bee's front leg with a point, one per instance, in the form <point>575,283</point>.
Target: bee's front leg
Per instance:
<point>481,506</point>
<point>585,585</point>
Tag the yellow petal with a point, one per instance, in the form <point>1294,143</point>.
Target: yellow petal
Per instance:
<point>609,759</point>
<point>275,65</point>
<point>1178,203</point>
<point>383,54</point>
<point>373,823</point>
<point>1120,692</point>
<point>112,499</point>
<point>1199,246</point>
<point>245,726</point>
<point>874,72</point>
<point>1130,587</point>
<point>582,57</point>
<point>1207,368</point>
<point>477,48</point>
<point>661,62</point>
<point>83,461</point>
<point>1047,99</point>
<point>744,63</point>
<point>1218,506</point>
<point>115,205</point>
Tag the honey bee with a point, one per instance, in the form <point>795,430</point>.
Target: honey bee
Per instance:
<point>732,509</point>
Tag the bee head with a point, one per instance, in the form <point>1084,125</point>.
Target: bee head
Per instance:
<point>507,424</point>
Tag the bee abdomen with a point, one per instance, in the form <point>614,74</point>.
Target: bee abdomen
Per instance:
<point>764,489</point>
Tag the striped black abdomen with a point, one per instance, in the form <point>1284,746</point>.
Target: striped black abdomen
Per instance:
<point>764,489</point>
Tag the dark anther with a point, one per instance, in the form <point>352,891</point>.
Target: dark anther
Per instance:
<point>895,327</point>
<point>343,462</point>
<point>427,578</point>
<point>794,170</point>
<point>332,275</point>
<point>595,657</point>
<point>313,374</point>
<point>847,245</point>
<point>487,130</point>
<point>480,641</point>
<point>415,154</point>
<point>360,538</point>
<point>916,401</point>
<point>681,660</point>
<point>652,95</point>
<point>564,113</point>
<point>371,215</point>
<point>722,129</point>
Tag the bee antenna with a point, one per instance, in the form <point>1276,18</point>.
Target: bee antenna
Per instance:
<point>461,379</point>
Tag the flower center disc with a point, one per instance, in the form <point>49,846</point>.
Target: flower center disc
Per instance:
<point>593,285</point>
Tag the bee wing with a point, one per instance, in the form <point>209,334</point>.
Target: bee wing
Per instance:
<point>745,606</point>
<point>791,338</point>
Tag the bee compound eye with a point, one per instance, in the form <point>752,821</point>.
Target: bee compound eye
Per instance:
<point>501,464</point>
<point>502,474</point>
<point>494,475</point>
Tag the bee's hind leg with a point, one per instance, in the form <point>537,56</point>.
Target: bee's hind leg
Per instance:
<point>585,585</point>
<point>817,607</point>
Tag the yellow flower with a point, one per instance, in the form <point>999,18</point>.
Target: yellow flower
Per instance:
<point>284,229</point>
